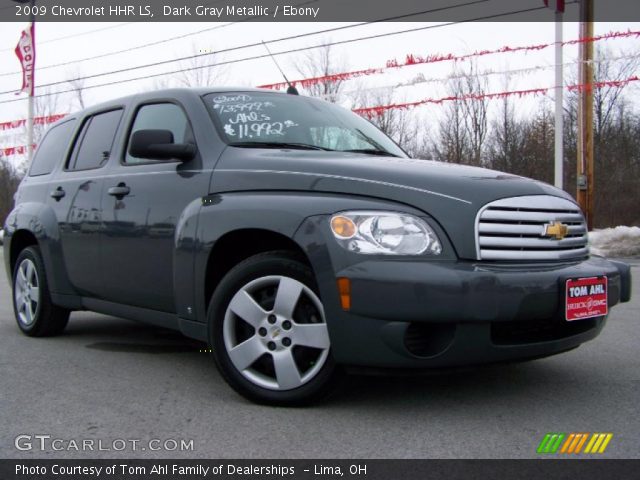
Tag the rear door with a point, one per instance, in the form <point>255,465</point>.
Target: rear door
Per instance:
<point>75,199</point>
<point>142,203</point>
<point>35,190</point>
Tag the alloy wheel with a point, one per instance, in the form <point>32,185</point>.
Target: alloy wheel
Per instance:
<point>275,333</point>
<point>27,292</point>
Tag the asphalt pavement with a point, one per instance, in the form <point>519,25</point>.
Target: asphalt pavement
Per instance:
<point>115,382</point>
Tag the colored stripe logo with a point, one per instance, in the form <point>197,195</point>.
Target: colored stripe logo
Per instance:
<point>574,443</point>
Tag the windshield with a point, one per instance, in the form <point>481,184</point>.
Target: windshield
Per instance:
<point>265,119</point>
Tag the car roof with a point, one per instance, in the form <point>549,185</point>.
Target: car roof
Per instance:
<point>160,94</point>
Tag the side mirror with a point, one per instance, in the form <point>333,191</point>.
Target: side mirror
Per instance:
<point>158,145</point>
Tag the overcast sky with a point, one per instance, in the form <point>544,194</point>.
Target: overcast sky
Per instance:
<point>63,42</point>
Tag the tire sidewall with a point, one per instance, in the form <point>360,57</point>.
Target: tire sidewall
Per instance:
<point>30,253</point>
<point>251,269</point>
<point>50,320</point>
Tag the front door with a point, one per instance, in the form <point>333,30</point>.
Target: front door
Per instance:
<point>142,202</point>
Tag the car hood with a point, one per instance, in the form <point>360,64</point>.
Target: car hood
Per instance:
<point>452,194</point>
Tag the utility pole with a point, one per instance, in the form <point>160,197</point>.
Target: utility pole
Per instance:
<point>30,107</point>
<point>32,19</point>
<point>559,121</point>
<point>585,190</point>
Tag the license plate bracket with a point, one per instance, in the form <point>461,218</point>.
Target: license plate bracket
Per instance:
<point>586,298</point>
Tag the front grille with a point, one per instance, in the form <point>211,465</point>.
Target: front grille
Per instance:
<point>514,229</point>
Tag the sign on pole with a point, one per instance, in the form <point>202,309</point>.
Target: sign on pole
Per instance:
<point>26,53</point>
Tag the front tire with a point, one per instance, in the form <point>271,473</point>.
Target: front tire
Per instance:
<point>269,334</point>
<point>35,314</point>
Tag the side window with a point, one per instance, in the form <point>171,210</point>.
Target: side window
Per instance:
<point>52,148</point>
<point>160,116</point>
<point>93,146</point>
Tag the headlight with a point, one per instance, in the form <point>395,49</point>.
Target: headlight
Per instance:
<point>384,233</point>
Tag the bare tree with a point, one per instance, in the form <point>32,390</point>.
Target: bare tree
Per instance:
<point>452,144</point>
<point>76,82</point>
<point>606,98</point>
<point>475,111</point>
<point>200,70</point>
<point>397,123</point>
<point>616,161</point>
<point>45,105</point>
<point>463,127</point>
<point>12,169</point>
<point>506,141</point>
<point>536,157</point>
<point>321,62</point>
<point>9,180</point>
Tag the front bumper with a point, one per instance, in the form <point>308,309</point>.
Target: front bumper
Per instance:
<point>409,313</point>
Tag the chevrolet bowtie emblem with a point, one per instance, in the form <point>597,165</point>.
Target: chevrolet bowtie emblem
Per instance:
<point>557,230</point>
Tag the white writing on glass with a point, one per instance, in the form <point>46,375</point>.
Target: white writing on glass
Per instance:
<point>231,98</point>
<point>242,107</point>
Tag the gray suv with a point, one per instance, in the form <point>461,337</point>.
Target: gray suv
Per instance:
<point>297,240</point>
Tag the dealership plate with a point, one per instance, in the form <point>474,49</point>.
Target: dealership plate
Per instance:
<point>585,298</point>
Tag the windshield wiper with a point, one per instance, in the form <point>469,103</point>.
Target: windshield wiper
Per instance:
<point>372,151</point>
<point>301,146</point>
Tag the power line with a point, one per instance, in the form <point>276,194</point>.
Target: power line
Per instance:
<point>413,60</point>
<point>13,124</point>
<point>377,110</point>
<point>88,32</point>
<point>256,57</point>
<point>240,47</point>
<point>138,47</point>
<point>487,73</point>
<point>65,37</point>
<point>124,50</point>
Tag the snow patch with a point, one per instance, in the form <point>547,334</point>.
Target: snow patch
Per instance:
<point>616,242</point>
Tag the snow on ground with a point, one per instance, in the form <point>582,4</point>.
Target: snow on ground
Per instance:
<point>616,242</point>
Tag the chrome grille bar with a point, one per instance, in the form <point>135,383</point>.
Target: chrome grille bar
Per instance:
<point>515,229</point>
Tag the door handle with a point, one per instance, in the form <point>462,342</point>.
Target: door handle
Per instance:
<point>119,190</point>
<point>58,193</point>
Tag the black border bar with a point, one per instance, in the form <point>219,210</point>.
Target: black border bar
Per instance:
<point>321,469</point>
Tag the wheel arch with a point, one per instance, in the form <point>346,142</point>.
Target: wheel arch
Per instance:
<point>35,223</point>
<point>20,239</point>
<point>223,229</point>
<point>238,245</point>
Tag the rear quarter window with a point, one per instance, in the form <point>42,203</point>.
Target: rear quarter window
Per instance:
<point>52,148</point>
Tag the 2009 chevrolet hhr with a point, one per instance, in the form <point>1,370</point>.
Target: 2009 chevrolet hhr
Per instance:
<point>297,240</point>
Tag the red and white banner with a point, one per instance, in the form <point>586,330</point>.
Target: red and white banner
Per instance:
<point>11,124</point>
<point>413,59</point>
<point>371,112</point>
<point>26,53</point>
<point>19,150</point>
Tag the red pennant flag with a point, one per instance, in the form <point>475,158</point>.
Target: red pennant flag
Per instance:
<point>26,53</point>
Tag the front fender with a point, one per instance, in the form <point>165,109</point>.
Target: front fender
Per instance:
<point>220,214</point>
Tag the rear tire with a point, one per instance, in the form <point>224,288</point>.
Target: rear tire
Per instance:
<point>35,314</point>
<point>268,332</point>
